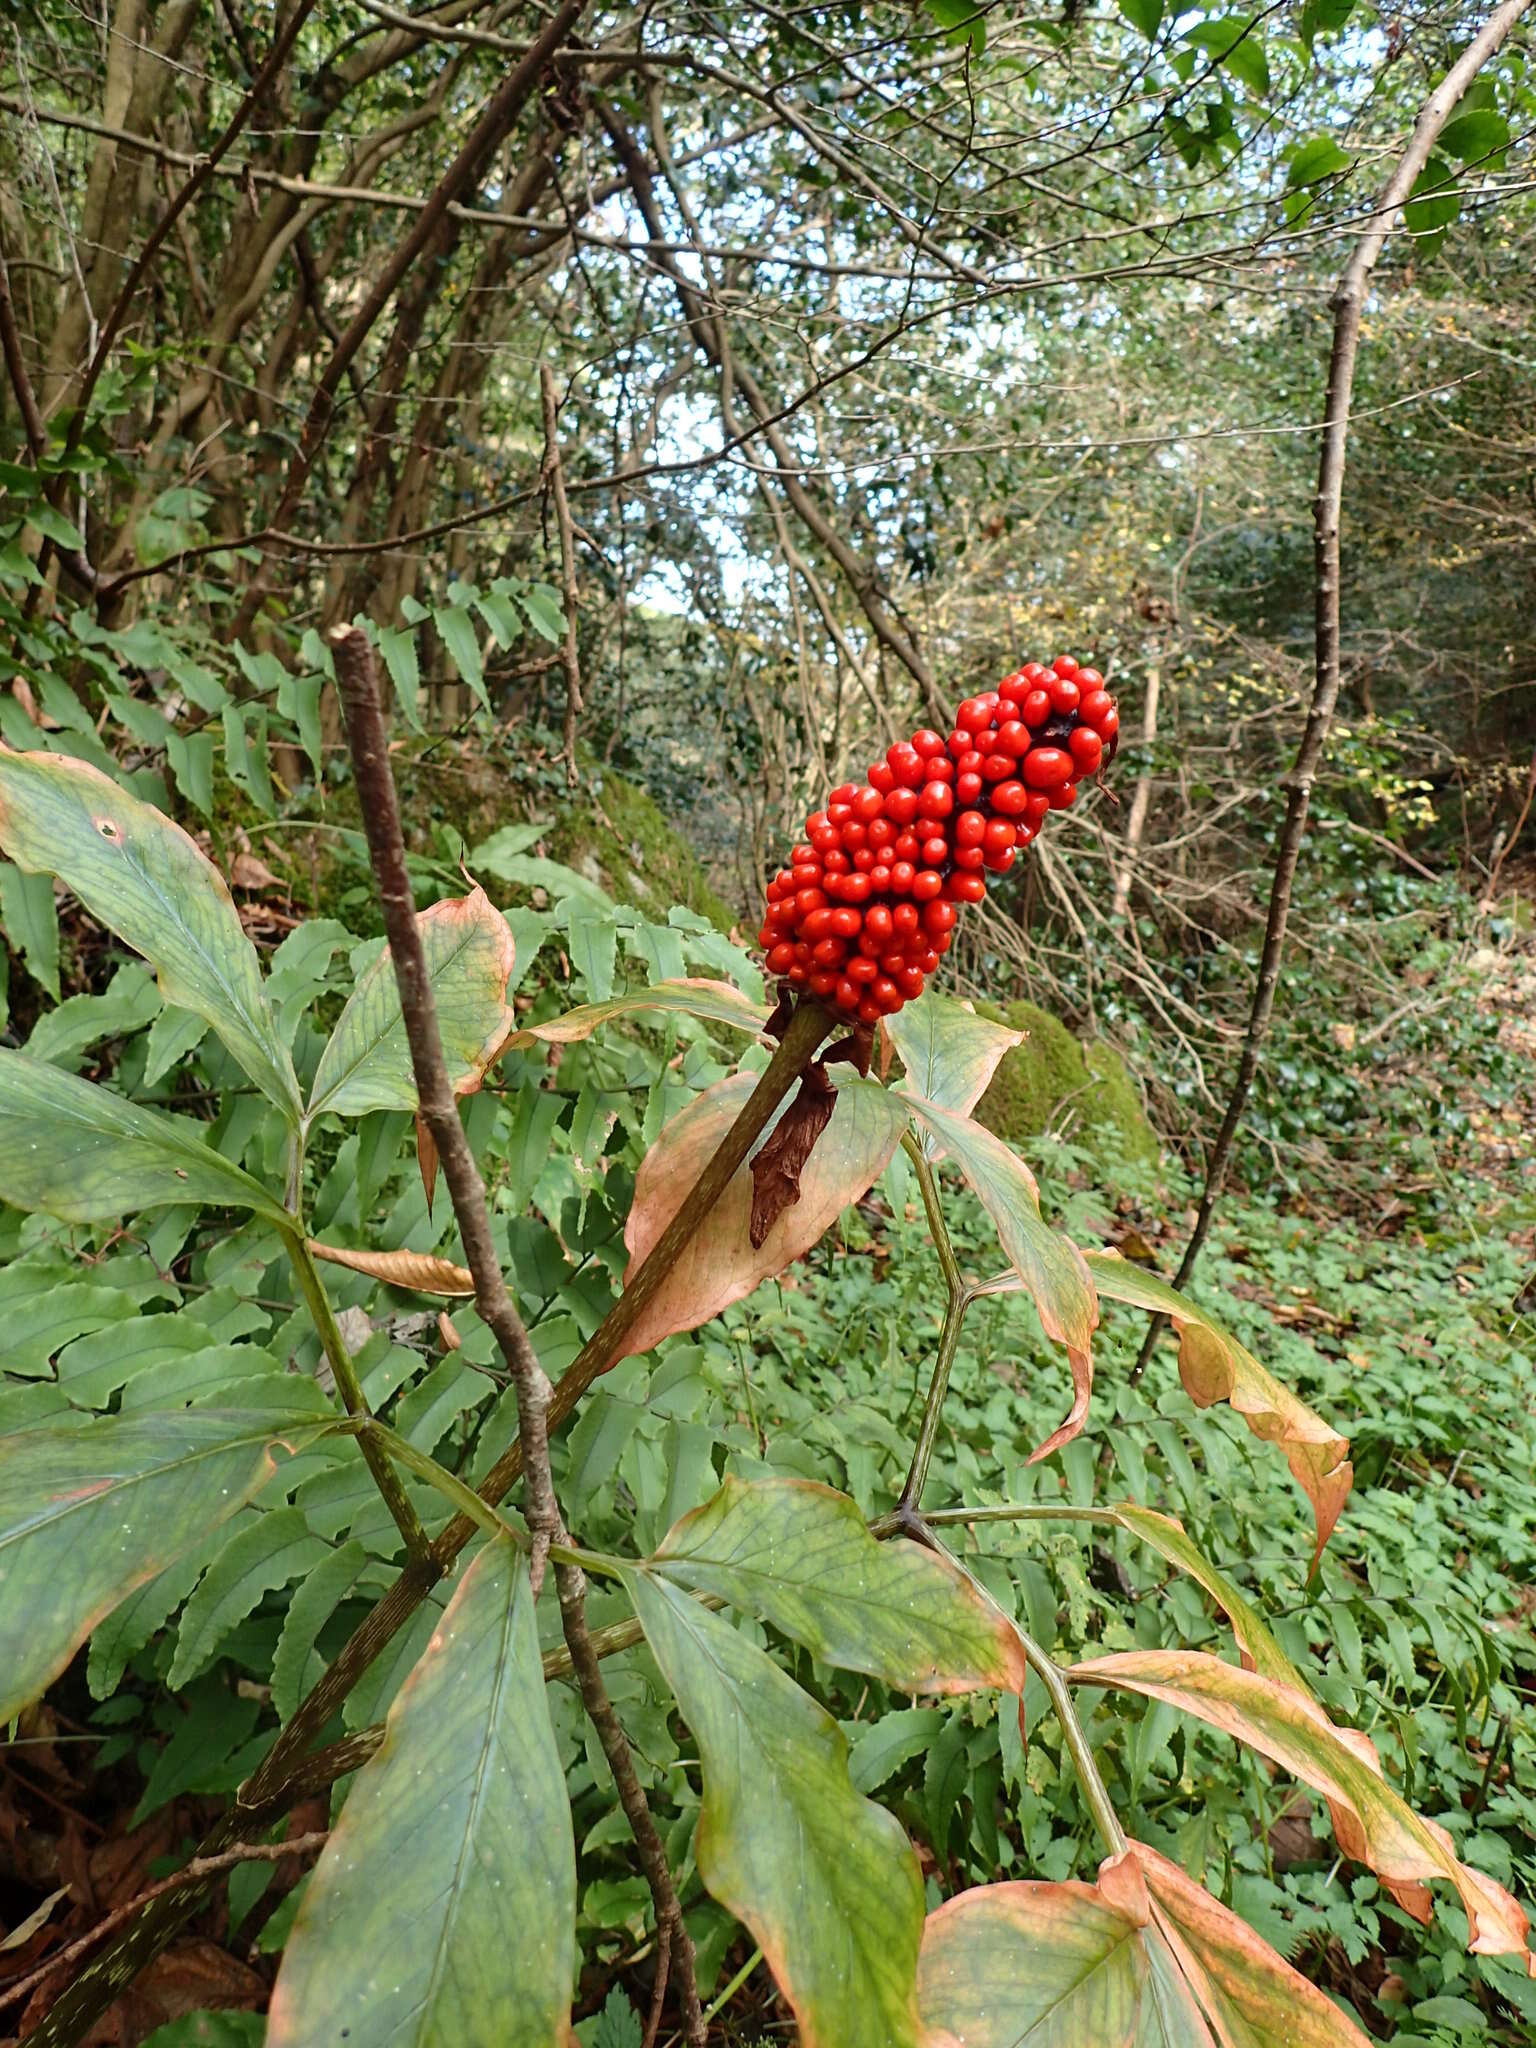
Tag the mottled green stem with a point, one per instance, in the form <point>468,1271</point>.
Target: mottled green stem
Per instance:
<point>386,1478</point>
<point>960,1298</point>
<point>1054,1679</point>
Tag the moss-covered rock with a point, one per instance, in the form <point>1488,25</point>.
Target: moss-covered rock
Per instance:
<point>617,835</point>
<point>1054,1079</point>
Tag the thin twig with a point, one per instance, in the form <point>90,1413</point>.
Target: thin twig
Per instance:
<point>439,1110</point>
<point>959,1301</point>
<point>1348,304</point>
<point>198,1870</point>
<point>554,476</point>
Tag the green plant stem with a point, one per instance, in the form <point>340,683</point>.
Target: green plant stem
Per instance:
<point>468,1502</point>
<point>385,1477</point>
<point>734,1986</point>
<point>949,1336</point>
<point>1054,1679</point>
<point>1022,1511</point>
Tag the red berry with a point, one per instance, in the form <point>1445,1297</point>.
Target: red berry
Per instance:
<point>1094,705</point>
<point>846,995</point>
<point>901,805</point>
<point>903,875</point>
<point>816,925</point>
<point>880,878</point>
<point>965,888</point>
<point>999,837</point>
<point>885,995</point>
<point>807,900</point>
<point>940,768</point>
<point>935,851</point>
<point>1010,798</point>
<point>1036,707</point>
<point>938,919</point>
<point>1065,695</point>
<point>908,846</point>
<point>910,981</point>
<point>1045,767</point>
<point>829,953</point>
<point>968,786</point>
<point>906,764</point>
<point>1013,738</point>
<point>1000,863</point>
<point>1109,725</point>
<point>847,924</point>
<point>969,856</point>
<point>855,888</point>
<point>862,966</point>
<point>970,828</point>
<point>905,919</point>
<point>881,832</point>
<point>1064,797</point>
<point>1086,748</point>
<point>1064,665</point>
<point>927,743</point>
<point>926,884</point>
<point>821,981</point>
<point>1035,811</point>
<point>974,715</point>
<point>997,767</point>
<point>869,803</point>
<point>936,800</point>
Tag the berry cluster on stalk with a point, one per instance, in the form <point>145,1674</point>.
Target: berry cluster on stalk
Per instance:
<point>868,905</point>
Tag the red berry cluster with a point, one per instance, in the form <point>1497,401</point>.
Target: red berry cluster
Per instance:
<point>868,905</point>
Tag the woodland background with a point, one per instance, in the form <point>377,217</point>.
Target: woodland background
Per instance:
<point>882,347</point>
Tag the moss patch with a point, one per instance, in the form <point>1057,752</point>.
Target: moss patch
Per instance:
<point>1054,1078</point>
<point>620,837</point>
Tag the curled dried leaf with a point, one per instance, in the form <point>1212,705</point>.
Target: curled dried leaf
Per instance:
<point>419,1271</point>
<point>777,1167</point>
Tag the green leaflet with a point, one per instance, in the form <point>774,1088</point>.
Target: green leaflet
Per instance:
<point>444,1907</point>
<point>81,1152</point>
<point>800,1556</point>
<point>148,882</point>
<point>267,1553</point>
<point>367,1063</point>
<point>827,1882</point>
<point>90,1511</point>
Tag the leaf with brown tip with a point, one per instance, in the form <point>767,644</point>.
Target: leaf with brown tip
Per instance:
<point>367,1061</point>
<point>825,1879</point>
<point>1374,1824</point>
<point>1215,1367</point>
<point>419,1271</point>
<point>795,1553</point>
<point>720,1264</point>
<point>1145,1958</point>
<point>1167,1536</point>
<point>1252,1995</point>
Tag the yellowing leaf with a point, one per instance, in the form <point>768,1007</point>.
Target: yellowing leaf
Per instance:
<point>826,1880</point>
<point>443,1911</point>
<point>1048,1267</point>
<point>719,1264</point>
<point>1374,1825</point>
<point>799,1555</point>
<point>950,1053</point>
<point>367,1062</point>
<point>1215,1367</point>
<point>1143,1959</point>
<point>715,1002</point>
